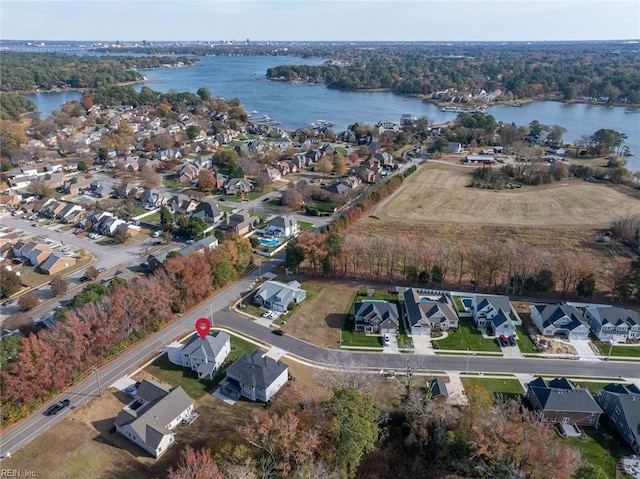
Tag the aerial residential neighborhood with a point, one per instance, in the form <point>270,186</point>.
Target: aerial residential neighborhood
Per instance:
<point>408,288</point>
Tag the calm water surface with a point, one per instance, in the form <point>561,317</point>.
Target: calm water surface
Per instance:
<point>296,105</point>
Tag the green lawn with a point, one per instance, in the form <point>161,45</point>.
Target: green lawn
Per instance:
<point>495,385</point>
<point>467,338</point>
<point>599,448</point>
<point>174,375</point>
<point>153,219</point>
<point>343,151</point>
<point>362,340</point>
<point>304,226</point>
<point>226,208</point>
<point>170,182</point>
<point>378,295</point>
<point>618,350</point>
<point>524,341</point>
<point>458,301</point>
<point>325,206</point>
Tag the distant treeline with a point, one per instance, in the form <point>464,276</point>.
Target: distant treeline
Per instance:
<point>12,106</point>
<point>599,71</point>
<point>22,71</point>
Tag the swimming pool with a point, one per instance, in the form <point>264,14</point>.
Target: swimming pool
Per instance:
<point>269,241</point>
<point>467,302</point>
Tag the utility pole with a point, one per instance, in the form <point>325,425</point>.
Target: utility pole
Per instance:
<point>95,369</point>
<point>466,370</point>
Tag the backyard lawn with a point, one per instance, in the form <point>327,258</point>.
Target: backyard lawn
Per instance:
<point>170,373</point>
<point>599,448</point>
<point>467,338</point>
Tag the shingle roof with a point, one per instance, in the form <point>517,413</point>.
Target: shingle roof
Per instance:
<point>438,387</point>
<point>207,348</point>
<point>367,310</point>
<point>561,399</point>
<point>496,302</point>
<point>150,390</point>
<point>550,314</point>
<point>256,369</point>
<point>280,293</point>
<point>616,316</point>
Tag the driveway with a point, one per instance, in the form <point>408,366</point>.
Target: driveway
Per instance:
<point>422,345</point>
<point>584,349</point>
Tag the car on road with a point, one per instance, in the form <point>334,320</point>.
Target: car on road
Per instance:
<point>189,241</point>
<point>57,407</point>
<point>156,234</point>
<point>101,270</point>
<point>278,332</point>
<point>35,225</point>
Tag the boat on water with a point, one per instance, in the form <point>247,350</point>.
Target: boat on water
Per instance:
<point>633,110</point>
<point>517,104</point>
<point>320,124</point>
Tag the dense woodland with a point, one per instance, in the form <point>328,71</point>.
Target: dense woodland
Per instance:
<point>347,436</point>
<point>565,71</point>
<point>22,71</point>
<point>105,319</point>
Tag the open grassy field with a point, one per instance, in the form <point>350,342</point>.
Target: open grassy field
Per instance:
<point>438,193</point>
<point>320,319</point>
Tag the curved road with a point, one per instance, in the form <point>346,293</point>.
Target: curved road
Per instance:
<point>216,308</point>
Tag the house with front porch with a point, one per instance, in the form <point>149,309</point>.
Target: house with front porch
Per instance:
<point>559,320</point>
<point>278,296</point>
<point>613,324</point>
<point>254,376</point>
<point>376,317</point>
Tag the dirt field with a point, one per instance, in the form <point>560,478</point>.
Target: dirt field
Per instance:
<point>438,193</point>
<point>320,320</point>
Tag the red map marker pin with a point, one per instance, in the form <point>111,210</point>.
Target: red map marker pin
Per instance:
<point>203,325</point>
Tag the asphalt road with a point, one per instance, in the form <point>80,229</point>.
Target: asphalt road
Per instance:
<point>217,308</point>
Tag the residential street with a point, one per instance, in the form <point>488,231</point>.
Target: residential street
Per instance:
<point>218,307</point>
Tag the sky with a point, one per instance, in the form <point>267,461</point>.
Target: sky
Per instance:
<point>318,20</point>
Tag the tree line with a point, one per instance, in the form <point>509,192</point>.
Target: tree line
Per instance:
<point>24,71</point>
<point>103,321</point>
<point>520,71</point>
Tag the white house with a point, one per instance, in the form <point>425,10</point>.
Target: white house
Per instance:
<point>148,421</point>
<point>559,321</point>
<point>486,307</point>
<point>286,226</point>
<point>278,296</point>
<point>255,376</point>
<point>612,323</point>
<point>206,356</point>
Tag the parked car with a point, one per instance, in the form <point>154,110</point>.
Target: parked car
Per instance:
<point>504,341</point>
<point>278,332</point>
<point>57,407</point>
<point>512,340</point>
<point>386,339</point>
<point>156,234</point>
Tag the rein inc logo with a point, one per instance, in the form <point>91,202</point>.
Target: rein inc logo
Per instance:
<point>17,473</point>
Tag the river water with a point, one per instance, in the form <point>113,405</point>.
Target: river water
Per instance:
<point>298,105</point>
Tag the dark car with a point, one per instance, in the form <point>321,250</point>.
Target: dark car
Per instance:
<point>57,407</point>
<point>279,332</point>
<point>512,341</point>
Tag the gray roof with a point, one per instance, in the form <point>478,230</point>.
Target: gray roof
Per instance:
<point>564,397</point>
<point>284,221</point>
<point>150,420</point>
<point>150,390</point>
<point>500,319</point>
<point>280,293</point>
<point>616,316</point>
<point>207,348</point>
<point>368,310</point>
<point>498,303</point>
<point>438,311</point>
<point>208,242</point>
<point>550,314</point>
<point>52,260</point>
<point>438,388</point>
<point>629,399</point>
<point>256,370</point>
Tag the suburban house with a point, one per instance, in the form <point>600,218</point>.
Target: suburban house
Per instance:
<point>494,313</point>
<point>422,314</point>
<point>613,324</point>
<point>206,356</point>
<point>31,252</point>
<point>149,420</point>
<point>559,401</point>
<point>621,404</point>
<point>278,296</point>
<point>238,186</point>
<point>200,246</point>
<point>187,173</point>
<point>239,223</point>
<point>154,261</point>
<point>255,376</point>
<point>286,226</point>
<point>56,262</point>
<point>559,321</point>
<point>209,211</point>
<point>377,317</point>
